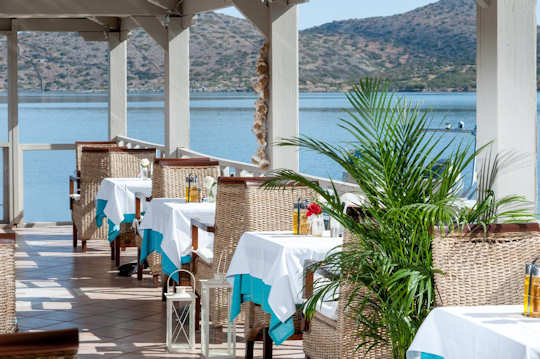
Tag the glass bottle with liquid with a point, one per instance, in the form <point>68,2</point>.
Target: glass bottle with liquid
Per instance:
<point>300,219</point>
<point>193,192</point>
<point>531,306</point>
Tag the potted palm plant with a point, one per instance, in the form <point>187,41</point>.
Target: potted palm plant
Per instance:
<point>386,266</point>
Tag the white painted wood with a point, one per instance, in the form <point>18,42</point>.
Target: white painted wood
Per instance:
<point>283,114</point>
<point>108,23</point>
<point>177,87</point>
<point>506,89</point>
<point>482,3</point>
<point>165,4</point>
<point>16,209</point>
<point>193,7</point>
<point>53,25</point>
<point>154,28</point>
<point>256,12</point>
<point>93,35</point>
<point>117,84</point>
<point>78,8</point>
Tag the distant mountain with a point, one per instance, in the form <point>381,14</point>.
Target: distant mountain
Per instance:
<point>429,48</point>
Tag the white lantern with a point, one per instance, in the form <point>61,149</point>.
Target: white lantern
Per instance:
<point>181,315</point>
<point>218,334</point>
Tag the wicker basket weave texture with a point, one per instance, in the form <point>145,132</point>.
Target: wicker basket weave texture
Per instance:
<point>328,338</point>
<point>482,269</point>
<point>243,208</point>
<point>79,146</point>
<point>169,182</point>
<point>8,322</point>
<point>95,166</point>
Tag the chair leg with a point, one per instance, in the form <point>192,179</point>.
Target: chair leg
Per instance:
<point>250,346</point>
<point>83,245</point>
<point>117,252</point>
<point>74,236</point>
<point>155,279</point>
<point>139,265</point>
<point>198,313</point>
<point>111,244</point>
<point>267,344</point>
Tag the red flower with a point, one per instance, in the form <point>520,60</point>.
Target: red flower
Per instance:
<point>313,208</point>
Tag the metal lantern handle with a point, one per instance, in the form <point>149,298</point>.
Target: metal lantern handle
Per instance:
<point>178,271</point>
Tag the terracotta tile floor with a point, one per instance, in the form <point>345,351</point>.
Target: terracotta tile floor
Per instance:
<point>59,287</point>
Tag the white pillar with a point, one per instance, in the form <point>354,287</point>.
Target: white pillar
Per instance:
<point>283,115</point>
<point>16,209</point>
<point>177,86</point>
<point>506,88</point>
<point>117,84</point>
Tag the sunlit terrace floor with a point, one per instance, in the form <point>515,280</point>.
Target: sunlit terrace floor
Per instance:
<point>118,317</point>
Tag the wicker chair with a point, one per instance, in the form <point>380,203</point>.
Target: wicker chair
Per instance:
<point>484,268</point>
<point>98,163</point>
<point>8,321</point>
<point>242,205</point>
<point>329,338</point>
<point>58,344</point>
<point>169,181</point>
<point>74,185</point>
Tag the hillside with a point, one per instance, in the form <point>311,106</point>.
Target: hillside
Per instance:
<point>429,48</point>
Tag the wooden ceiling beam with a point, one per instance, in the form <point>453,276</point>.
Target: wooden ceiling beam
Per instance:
<point>109,23</point>
<point>55,25</point>
<point>193,7</point>
<point>78,8</point>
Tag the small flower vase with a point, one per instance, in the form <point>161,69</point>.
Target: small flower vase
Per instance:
<point>144,172</point>
<point>317,225</point>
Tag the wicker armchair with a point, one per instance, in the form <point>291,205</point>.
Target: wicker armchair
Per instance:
<point>334,338</point>
<point>484,268</point>
<point>58,344</point>
<point>169,181</point>
<point>98,163</point>
<point>242,205</point>
<point>74,185</point>
<point>8,321</point>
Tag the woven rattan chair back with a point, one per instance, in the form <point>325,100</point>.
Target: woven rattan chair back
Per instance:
<point>169,177</point>
<point>328,338</point>
<point>79,146</point>
<point>97,164</point>
<point>8,322</point>
<point>484,268</point>
<point>242,205</point>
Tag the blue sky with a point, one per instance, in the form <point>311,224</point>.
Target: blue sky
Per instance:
<point>317,12</point>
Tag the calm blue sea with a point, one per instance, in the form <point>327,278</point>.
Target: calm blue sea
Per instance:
<point>220,125</point>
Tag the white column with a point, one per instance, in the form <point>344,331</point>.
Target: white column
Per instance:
<point>177,86</point>
<point>16,209</point>
<point>506,88</point>
<point>117,84</point>
<point>283,115</point>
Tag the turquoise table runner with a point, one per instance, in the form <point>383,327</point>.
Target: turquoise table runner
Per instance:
<point>114,229</point>
<point>247,288</point>
<point>151,242</point>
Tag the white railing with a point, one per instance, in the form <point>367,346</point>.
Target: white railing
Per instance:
<point>135,143</point>
<point>227,165</point>
<point>230,166</point>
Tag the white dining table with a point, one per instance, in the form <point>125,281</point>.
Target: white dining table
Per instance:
<point>170,221</point>
<point>277,259</point>
<point>120,196</point>
<point>483,332</point>
<point>115,200</point>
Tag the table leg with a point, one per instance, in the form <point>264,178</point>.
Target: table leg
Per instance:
<point>117,252</point>
<point>267,344</point>
<point>139,265</point>
<point>250,346</point>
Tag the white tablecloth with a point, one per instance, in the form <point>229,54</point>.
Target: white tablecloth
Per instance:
<point>120,196</point>
<point>490,332</point>
<point>277,258</point>
<point>172,218</point>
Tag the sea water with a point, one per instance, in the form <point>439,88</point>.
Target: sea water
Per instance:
<point>220,125</point>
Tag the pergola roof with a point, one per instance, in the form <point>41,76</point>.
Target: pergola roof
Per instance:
<point>96,15</point>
